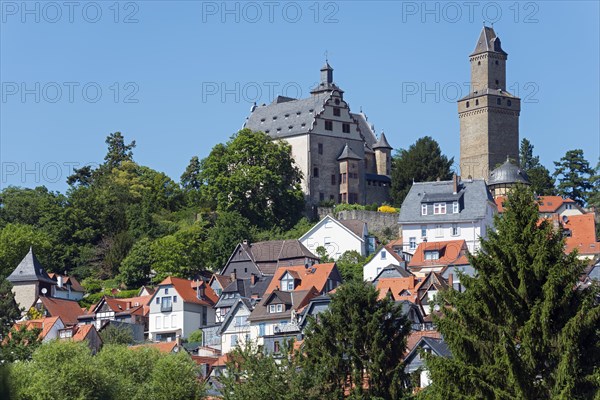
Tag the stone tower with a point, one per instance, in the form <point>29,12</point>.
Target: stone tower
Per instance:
<point>489,115</point>
<point>383,156</point>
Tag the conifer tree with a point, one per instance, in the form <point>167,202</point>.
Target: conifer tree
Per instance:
<point>522,329</point>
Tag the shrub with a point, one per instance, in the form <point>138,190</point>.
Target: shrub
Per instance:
<point>388,209</point>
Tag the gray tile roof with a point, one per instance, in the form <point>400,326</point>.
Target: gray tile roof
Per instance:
<point>355,225</point>
<point>347,153</point>
<point>488,41</point>
<point>382,143</point>
<point>29,270</point>
<point>508,173</point>
<point>475,200</point>
<point>275,250</point>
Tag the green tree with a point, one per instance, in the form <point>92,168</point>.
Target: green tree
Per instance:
<point>116,335</point>
<point>350,264</point>
<point>594,198</point>
<point>574,173</point>
<point>15,241</point>
<point>359,339</point>
<point>118,151</point>
<point>520,330</point>
<point>135,268</point>
<point>541,181</point>
<point>255,176</point>
<point>175,377</point>
<point>196,336</point>
<point>229,229</point>
<point>422,162</point>
<point>9,311</point>
<point>20,344</point>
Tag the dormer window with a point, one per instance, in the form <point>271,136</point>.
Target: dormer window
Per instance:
<point>275,308</point>
<point>439,208</point>
<point>287,282</point>
<point>455,207</point>
<point>423,209</point>
<point>432,255</point>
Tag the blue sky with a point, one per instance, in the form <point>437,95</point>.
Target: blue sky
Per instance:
<point>181,76</point>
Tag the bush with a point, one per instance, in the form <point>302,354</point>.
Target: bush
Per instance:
<point>347,207</point>
<point>388,209</point>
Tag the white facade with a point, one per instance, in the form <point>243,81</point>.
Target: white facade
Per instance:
<point>238,330</point>
<point>382,258</point>
<point>334,237</point>
<point>431,230</point>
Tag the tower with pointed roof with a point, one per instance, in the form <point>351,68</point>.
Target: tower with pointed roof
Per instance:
<point>29,280</point>
<point>489,114</point>
<point>383,156</point>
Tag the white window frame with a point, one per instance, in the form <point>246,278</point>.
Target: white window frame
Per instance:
<point>412,243</point>
<point>439,208</point>
<point>383,254</point>
<point>423,230</point>
<point>439,230</point>
<point>423,209</point>
<point>455,207</point>
<point>455,230</point>
<point>279,308</point>
<point>433,255</point>
<point>271,308</point>
<point>157,322</point>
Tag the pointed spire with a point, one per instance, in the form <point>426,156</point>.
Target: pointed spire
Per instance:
<point>347,153</point>
<point>488,41</point>
<point>382,143</point>
<point>30,269</point>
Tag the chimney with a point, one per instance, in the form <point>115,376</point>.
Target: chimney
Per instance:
<point>59,281</point>
<point>128,305</point>
<point>246,242</point>
<point>454,184</point>
<point>451,280</point>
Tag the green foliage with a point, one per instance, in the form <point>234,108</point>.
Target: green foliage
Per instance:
<point>20,344</point>
<point>541,182</point>
<point>135,268</point>
<point>256,177</point>
<point>347,207</point>
<point>195,337</point>
<point>359,339</point>
<point>118,151</point>
<point>229,229</point>
<point>574,176</point>
<point>422,162</point>
<point>9,311</point>
<point>350,264</point>
<point>520,330</point>
<point>67,370</point>
<point>15,241</point>
<point>594,198</point>
<point>113,334</point>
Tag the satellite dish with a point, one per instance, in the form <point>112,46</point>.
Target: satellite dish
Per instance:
<point>44,291</point>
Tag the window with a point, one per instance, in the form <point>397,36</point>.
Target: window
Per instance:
<point>158,300</point>
<point>455,230</point>
<point>234,340</point>
<point>240,320</point>
<point>383,254</point>
<point>174,299</point>
<point>204,316</point>
<point>497,82</point>
<point>439,231</point>
<point>333,179</point>
<point>496,62</point>
<point>412,243</point>
<point>423,230</point>
<point>173,321</point>
<point>467,104</point>
<point>279,307</point>
<point>498,101</point>
<point>287,283</point>
<point>336,111</point>
<point>271,308</point>
<point>346,128</point>
<point>509,103</point>
<point>166,305</point>
<point>337,101</point>
<point>569,206</point>
<point>261,330</point>
<point>320,146</point>
<point>455,207</point>
<point>439,208</point>
<point>166,290</point>
<point>352,198</point>
<point>328,125</point>
<point>276,347</point>
<point>344,177</point>
<point>321,196</point>
<point>423,209</point>
<point>476,102</point>
<point>157,322</point>
<point>316,172</point>
<point>432,255</point>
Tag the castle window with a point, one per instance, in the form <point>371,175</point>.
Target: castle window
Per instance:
<point>496,62</point>
<point>423,209</point>
<point>337,101</point>
<point>287,115</point>
<point>336,111</point>
<point>328,125</point>
<point>311,110</point>
<point>498,101</point>
<point>509,103</point>
<point>352,198</point>
<point>315,172</point>
<point>476,102</point>
<point>321,196</point>
<point>267,131</point>
<point>320,148</point>
<point>423,231</point>
<point>333,179</point>
<point>439,208</point>
<point>478,62</point>
<point>346,128</point>
<point>344,177</point>
<point>275,117</point>
<point>467,104</point>
<point>331,197</point>
<point>290,127</point>
<point>303,125</point>
<point>497,82</point>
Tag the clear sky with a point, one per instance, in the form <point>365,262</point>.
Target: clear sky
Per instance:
<point>181,76</point>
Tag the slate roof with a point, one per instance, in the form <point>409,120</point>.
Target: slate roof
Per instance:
<point>382,143</point>
<point>488,41</point>
<point>293,300</point>
<point>508,173</point>
<point>30,270</point>
<point>347,153</point>
<point>355,225</point>
<point>475,195</point>
<point>392,271</point>
<point>266,255</point>
<point>232,311</point>
<point>245,289</point>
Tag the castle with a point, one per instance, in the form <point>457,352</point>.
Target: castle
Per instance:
<point>341,159</point>
<point>489,115</point>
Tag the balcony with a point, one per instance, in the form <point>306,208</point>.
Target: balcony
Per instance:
<point>166,308</point>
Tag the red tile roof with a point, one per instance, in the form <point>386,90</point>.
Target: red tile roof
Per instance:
<point>82,332</point>
<point>311,277</point>
<point>415,336</point>
<point>187,290</point>
<point>67,310</point>
<point>451,252</point>
<point>583,234</point>
<point>45,324</point>
<point>547,204</point>
<point>397,286</point>
<point>68,280</point>
<point>163,347</point>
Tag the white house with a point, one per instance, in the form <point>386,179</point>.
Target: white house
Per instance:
<point>337,237</point>
<point>235,329</point>
<point>446,210</point>
<point>382,258</point>
<point>180,307</point>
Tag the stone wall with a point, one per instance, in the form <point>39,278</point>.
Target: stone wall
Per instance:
<point>377,222</point>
